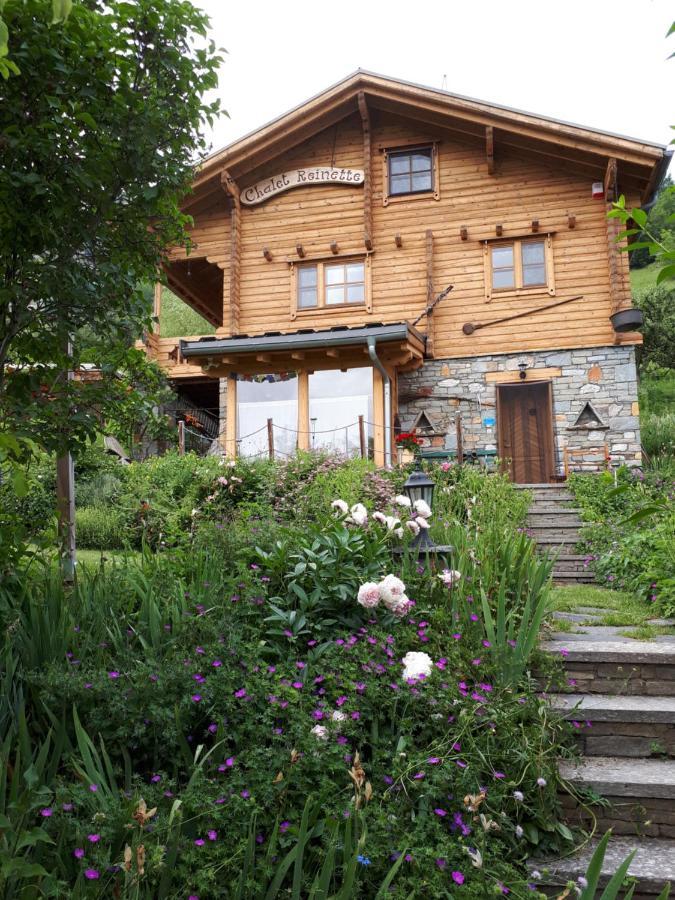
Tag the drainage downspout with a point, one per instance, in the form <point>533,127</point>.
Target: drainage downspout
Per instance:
<point>371,341</point>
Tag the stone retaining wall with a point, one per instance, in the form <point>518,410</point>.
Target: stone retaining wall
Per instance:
<point>605,377</point>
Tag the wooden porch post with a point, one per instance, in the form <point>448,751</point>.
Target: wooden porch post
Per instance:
<point>157,309</point>
<point>231,418</point>
<point>303,411</point>
<point>378,418</point>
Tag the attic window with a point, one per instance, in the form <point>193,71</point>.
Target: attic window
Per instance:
<point>410,173</point>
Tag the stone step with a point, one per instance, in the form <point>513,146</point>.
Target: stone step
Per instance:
<point>536,523</point>
<point>553,509</point>
<point>638,795</point>
<point>555,536</point>
<point>618,667</point>
<point>635,726</point>
<point>653,865</point>
<point>567,576</point>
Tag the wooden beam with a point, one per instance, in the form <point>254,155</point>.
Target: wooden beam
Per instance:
<point>231,418</point>
<point>267,254</point>
<point>464,233</point>
<point>367,170</point>
<point>263,358</point>
<point>334,247</point>
<point>490,149</point>
<point>429,258</point>
<point>499,230</point>
<point>157,308</point>
<point>571,221</point>
<point>332,353</point>
<point>398,240</point>
<point>300,250</point>
<point>230,187</point>
<point>535,225</point>
<point>610,181</point>
<point>298,354</point>
<point>303,411</point>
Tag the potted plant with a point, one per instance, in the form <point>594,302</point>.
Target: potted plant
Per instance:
<point>407,446</point>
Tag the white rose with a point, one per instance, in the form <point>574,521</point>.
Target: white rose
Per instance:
<point>340,506</point>
<point>320,732</point>
<point>380,517</point>
<point>416,664</point>
<point>338,716</point>
<point>402,500</point>
<point>413,526</point>
<point>369,595</point>
<point>392,584</point>
<point>422,508</point>
<point>422,522</point>
<point>359,513</point>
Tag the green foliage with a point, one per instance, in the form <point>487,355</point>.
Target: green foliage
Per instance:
<point>177,319</point>
<point>116,98</point>
<point>658,309</point>
<point>631,532</point>
<point>100,529</point>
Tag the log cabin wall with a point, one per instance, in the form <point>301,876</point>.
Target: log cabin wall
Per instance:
<point>522,189</point>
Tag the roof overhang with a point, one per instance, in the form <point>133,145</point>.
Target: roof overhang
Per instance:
<point>398,346</point>
<point>643,161</point>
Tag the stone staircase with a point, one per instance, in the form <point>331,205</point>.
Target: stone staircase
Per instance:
<point>554,524</point>
<point>623,708</point>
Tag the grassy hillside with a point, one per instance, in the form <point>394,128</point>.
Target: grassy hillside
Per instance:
<point>179,320</point>
<point>642,279</point>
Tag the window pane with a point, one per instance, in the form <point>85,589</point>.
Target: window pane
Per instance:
<point>421,181</point>
<point>306,297</point>
<point>502,278</point>
<point>335,274</point>
<point>307,276</point>
<point>399,184</point>
<point>502,257</point>
<point>336,400</point>
<point>399,163</point>
<point>534,275</point>
<point>355,272</point>
<point>355,293</point>
<point>421,160</point>
<point>259,401</point>
<point>533,253</point>
<point>335,295</point>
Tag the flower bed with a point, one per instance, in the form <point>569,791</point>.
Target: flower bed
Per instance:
<point>309,713</point>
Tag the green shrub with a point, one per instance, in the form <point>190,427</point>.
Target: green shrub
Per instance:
<point>658,434</point>
<point>101,529</point>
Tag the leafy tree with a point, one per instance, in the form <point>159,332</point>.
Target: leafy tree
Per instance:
<point>658,308</point>
<point>659,223</point>
<point>100,128</point>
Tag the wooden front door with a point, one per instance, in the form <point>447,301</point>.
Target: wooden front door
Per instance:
<point>525,424</point>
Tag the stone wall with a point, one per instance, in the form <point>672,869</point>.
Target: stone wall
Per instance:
<point>605,377</point>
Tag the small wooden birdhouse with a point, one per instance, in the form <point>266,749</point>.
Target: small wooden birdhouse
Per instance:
<point>427,430</point>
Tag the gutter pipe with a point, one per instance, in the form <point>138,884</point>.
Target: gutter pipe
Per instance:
<point>372,353</point>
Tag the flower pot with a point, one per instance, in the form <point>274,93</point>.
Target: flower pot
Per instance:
<point>626,320</point>
<point>405,456</point>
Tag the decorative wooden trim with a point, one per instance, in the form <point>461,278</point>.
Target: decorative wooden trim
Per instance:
<point>514,376</point>
<point>267,254</point>
<point>429,257</point>
<point>571,221</point>
<point>334,247</point>
<point>610,181</point>
<point>464,233</point>
<point>229,185</point>
<point>520,236</point>
<point>398,240</point>
<point>435,193</point>
<point>367,173</point>
<point>490,149</point>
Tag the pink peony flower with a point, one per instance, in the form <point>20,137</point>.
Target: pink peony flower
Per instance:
<point>369,595</point>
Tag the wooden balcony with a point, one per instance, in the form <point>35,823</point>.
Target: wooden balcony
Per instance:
<point>166,352</point>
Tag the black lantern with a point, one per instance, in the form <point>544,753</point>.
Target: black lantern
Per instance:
<point>420,487</point>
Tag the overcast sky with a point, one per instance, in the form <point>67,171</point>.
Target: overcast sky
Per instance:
<point>600,63</point>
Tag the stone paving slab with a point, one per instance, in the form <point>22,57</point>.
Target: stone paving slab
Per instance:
<point>576,617</point>
<point>625,650</point>
<point>616,776</point>
<point>609,633</point>
<point>611,708</point>
<point>653,864</point>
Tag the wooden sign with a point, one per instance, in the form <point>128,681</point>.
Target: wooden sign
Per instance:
<point>268,187</point>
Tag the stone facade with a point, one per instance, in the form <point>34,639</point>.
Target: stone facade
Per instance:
<point>604,377</point>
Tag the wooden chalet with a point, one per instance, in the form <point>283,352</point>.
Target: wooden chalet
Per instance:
<point>387,253</point>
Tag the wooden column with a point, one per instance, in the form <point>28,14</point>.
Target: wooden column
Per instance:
<point>303,411</point>
<point>231,418</point>
<point>157,308</point>
<point>232,318</point>
<point>490,149</point>
<point>378,418</point>
<point>367,173</point>
<point>429,252</point>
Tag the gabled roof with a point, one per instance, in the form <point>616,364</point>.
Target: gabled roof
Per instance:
<point>644,163</point>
